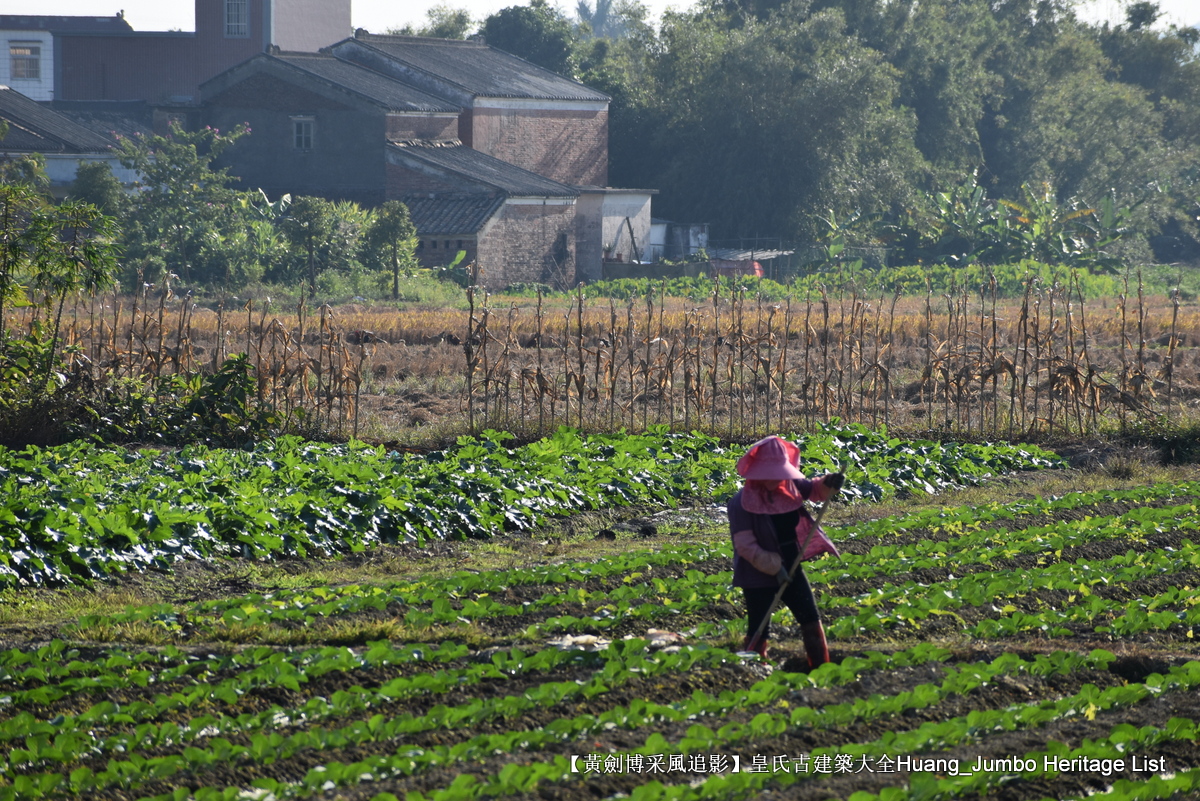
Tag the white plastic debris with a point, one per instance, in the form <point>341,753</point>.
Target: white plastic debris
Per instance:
<point>580,642</point>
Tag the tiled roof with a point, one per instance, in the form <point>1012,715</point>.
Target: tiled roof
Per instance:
<point>58,24</point>
<point>114,118</point>
<point>479,69</point>
<point>366,82</point>
<point>34,128</point>
<point>481,168</point>
<point>443,215</point>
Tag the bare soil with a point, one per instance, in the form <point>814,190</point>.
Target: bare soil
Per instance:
<point>1137,657</point>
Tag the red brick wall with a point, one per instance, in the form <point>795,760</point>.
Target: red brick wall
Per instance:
<point>153,68</point>
<point>524,244</point>
<point>570,146</point>
<point>216,53</point>
<point>415,126</point>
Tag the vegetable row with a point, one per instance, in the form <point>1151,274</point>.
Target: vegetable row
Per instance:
<point>66,747</point>
<point>79,512</point>
<point>976,565</point>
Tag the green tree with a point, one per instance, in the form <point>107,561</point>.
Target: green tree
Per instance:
<point>344,247</point>
<point>77,254</point>
<point>309,224</point>
<point>1071,127</point>
<point>48,252</point>
<point>28,169</point>
<point>442,22</point>
<point>773,123</point>
<point>536,32</point>
<point>22,235</point>
<point>1142,14</point>
<point>598,22</point>
<point>184,217</point>
<point>942,51</point>
<point>95,183</point>
<point>622,68</point>
<point>392,239</point>
<point>1165,65</point>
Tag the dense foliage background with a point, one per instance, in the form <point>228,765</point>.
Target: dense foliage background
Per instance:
<point>915,120</point>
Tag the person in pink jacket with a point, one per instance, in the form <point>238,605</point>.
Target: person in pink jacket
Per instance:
<point>769,525</point>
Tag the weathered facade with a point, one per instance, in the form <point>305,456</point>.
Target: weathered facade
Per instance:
<point>517,225</point>
<point>30,48</point>
<point>103,58</point>
<point>319,125</point>
<point>511,109</point>
<point>376,123</point>
<point>116,67</point>
<point>495,156</point>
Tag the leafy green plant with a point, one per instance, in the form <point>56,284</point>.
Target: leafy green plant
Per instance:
<point>96,510</point>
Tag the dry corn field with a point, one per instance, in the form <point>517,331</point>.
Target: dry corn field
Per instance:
<point>1044,363</point>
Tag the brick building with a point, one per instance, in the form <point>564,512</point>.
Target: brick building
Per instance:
<point>319,125</point>
<point>493,155</point>
<point>517,225</point>
<point>103,58</point>
<point>511,109</point>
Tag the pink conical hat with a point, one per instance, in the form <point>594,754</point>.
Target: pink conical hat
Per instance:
<point>770,459</point>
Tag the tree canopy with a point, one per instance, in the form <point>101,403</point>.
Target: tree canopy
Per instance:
<point>770,116</point>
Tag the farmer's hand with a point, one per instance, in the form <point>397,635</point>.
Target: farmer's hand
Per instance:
<point>782,576</point>
<point>834,481</point>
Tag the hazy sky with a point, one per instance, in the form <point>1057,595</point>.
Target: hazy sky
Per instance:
<point>379,15</point>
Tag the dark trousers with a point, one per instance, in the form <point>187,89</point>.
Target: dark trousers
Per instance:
<point>798,597</point>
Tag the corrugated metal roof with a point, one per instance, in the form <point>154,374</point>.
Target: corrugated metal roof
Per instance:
<point>33,128</point>
<point>481,168</point>
<point>62,24</point>
<point>366,82</point>
<point>443,215</point>
<point>479,69</point>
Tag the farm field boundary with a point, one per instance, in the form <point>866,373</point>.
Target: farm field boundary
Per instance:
<point>1050,641</point>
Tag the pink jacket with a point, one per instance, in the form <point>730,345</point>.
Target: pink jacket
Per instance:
<point>756,557</point>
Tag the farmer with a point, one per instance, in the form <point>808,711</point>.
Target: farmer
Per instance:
<point>769,525</point>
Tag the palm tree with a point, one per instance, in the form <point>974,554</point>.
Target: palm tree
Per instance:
<point>601,20</point>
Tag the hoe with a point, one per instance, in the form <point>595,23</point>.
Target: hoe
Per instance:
<point>795,566</point>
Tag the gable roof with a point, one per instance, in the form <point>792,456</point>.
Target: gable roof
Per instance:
<point>33,128</point>
<point>343,77</point>
<point>456,158</point>
<point>111,118</point>
<point>451,214</point>
<point>475,68</point>
<point>365,82</point>
<point>60,24</point>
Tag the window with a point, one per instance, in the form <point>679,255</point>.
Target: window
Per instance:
<point>302,132</point>
<point>26,61</point>
<point>237,19</point>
